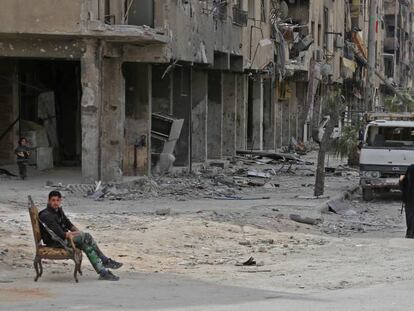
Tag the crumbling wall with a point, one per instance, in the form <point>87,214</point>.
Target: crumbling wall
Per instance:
<point>258,49</point>
<point>137,119</point>
<point>41,16</point>
<point>199,100</point>
<point>195,34</point>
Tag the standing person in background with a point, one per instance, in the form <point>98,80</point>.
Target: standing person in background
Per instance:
<point>407,189</point>
<point>23,153</point>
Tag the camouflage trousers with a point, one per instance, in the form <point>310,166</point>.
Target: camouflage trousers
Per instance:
<point>87,244</point>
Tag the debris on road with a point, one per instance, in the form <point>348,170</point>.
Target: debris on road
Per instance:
<point>341,207</point>
<point>305,220</point>
<point>275,156</point>
<point>249,262</point>
<point>163,211</point>
<point>6,173</point>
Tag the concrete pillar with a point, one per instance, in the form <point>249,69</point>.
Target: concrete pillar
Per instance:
<point>268,116</point>
<point>241,107</point>
<point>229,114</point>
<point>91,110</point>
<point>278,123</point>
<point>113,120</point>
<point>285,123</point>
<point>215,115</point>
<point>257,113</point>
<point>293,113</point>
<point>182,110</point>
<point>199,95</point>
<point>301,88</point>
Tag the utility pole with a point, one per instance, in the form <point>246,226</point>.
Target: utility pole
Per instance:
<point>372,57</point>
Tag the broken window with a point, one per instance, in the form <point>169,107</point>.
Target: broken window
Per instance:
<point>263,10</point>
<point>326,28</point>
<point>396,137</point>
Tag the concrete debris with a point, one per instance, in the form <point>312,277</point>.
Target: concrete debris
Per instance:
<point>256,271</point>
<point>242,198</point>
<point>249,262</point>
<point>304,197</point>
<point>305,220</point>
<point>342,171</point>
<point>220,180</point>
<point>258,174</point>
<point>275,156</point>
<point>341,207</point>
<point>6,173</point>
<point>163,211</point>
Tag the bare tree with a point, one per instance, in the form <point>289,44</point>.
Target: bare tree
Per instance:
<point>332,107</point>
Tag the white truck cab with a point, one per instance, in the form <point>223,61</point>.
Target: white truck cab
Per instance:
<point>387,151</point>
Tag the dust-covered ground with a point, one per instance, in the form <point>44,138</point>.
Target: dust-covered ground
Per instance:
<point>201,227</point>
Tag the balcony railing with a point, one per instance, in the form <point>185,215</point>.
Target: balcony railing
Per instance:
<point>239,17</point>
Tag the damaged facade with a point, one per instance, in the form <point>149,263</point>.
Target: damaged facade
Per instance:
<point>133,87</point>
<point>398,44</point>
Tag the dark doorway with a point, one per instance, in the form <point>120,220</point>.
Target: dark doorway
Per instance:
<point>50,96</point>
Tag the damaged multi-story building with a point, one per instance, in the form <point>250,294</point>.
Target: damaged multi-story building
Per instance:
<point>398,44</point>
<point>115,86</point>
<point>129,88</point>
<point>313,40</point>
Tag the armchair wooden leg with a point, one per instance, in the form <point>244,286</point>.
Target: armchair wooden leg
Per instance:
<point>40,267</point>
<point>37,262</point>
<point>79,267</point>
<point>78,261</point>
<point>75,273</point>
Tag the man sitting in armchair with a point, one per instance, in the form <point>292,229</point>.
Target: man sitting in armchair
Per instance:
<point>53,218</point>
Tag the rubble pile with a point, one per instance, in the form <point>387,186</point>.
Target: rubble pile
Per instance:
<point>184,187</point>
<point>219,180</point>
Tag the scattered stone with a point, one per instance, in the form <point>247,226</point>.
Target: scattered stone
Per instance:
<point>245,243</point>
<point>305,220</point>
<point>163,211</point>
<point>268,241</point>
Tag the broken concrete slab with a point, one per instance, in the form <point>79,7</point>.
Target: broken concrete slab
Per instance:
<point>305,220</point>
<point>163,212</point>
<point>258,174</point>
<point>341,207</point>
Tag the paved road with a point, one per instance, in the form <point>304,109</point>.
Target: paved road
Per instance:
<point>169,292</point>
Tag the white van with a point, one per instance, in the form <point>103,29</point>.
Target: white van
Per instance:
<point>387,151</point>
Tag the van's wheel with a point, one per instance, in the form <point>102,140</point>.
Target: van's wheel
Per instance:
<point>367,194</point>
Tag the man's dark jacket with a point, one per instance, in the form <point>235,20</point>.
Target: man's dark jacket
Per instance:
<point>55,220</point>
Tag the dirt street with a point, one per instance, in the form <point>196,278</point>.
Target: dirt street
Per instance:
<point>190,241</point>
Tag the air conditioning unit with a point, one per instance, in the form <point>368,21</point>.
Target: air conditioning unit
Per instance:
<point>318,55</point>
<point>339,42</point>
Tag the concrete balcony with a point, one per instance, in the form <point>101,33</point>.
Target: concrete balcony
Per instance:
<point>70,18</point>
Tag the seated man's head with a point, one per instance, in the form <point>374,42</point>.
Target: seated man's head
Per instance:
<point>55,199</point>
<point>22,141</point>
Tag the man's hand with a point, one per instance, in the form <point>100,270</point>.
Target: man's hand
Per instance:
<point>402,177</point>
<point>71,234</point>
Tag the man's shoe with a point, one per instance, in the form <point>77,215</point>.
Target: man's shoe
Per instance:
<point>112,264</point>
<point>107,275</point>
